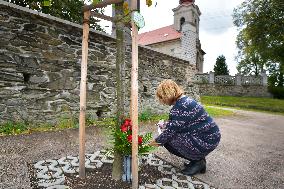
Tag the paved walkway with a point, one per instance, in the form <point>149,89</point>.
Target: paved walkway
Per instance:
<point>49,174</point>
<point>250,155</point>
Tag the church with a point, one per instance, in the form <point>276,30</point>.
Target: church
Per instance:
<point>180,39</point>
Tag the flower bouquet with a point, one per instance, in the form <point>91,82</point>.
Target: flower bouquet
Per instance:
<point>122,144</point>
<point>123,140</point>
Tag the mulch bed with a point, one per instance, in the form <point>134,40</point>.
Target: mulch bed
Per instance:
<point>100,178</point>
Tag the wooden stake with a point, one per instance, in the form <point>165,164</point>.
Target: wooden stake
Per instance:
<point>134,100</point>
<point>98,15</point>
<point>83,94</point>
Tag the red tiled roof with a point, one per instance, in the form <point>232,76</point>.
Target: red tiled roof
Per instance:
<point>159,35</point>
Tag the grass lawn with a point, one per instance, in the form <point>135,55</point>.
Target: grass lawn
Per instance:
<point>251,103</point>
<point>216,112</point>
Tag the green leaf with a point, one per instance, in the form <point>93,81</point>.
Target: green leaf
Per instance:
<point>46,3</point>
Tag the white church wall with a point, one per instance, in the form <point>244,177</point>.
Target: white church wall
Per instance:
<point>169,47</point>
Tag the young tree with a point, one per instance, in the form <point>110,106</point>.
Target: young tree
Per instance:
<point>221,67</point>
<point>260,40</point>
<point>120,96</point>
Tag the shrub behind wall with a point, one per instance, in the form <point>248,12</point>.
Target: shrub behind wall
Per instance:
<point>277,92</point>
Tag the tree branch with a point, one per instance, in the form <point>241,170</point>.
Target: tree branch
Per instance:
<point>101,4</point>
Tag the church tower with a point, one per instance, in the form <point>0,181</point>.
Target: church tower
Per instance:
<point>188,12</point>
<point>186,21</point>
<point>181,39</point>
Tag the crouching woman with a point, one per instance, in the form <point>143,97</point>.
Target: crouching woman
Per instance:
<point>190,132</point>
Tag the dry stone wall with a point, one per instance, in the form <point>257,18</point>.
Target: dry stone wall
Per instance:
<point>238,85</point>
<point>40,58</point>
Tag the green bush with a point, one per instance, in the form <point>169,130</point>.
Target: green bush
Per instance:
<point>145,115</point>
<point>277,92</point>
<point>65,123</point>
<point>10,127</point>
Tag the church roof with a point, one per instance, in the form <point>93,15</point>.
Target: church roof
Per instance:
<point>159,35</point>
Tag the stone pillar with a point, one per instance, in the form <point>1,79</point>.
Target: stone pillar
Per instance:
<point>238,79</point>
<point>211,77</point>
<point>264,78</point>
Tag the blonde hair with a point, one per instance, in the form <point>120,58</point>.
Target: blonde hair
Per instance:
<point>168,92</point>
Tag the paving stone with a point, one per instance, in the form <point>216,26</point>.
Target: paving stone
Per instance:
<point>149,186</point>
<point>66,165</point>
<point>74,161</point>
<point>50,173</point>
<point>164,183</point>
<point>51,182</point>
<point>58,187</point>
<point>167,169</point>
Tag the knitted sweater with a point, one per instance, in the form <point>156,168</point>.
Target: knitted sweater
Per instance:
<point>190,130</point>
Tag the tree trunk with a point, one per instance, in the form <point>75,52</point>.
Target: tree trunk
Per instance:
<point>120,53</point>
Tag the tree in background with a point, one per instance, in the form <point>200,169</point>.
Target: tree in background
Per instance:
<point>221,68</point>
<point>276,77</point>
<point>65,9</point>
<point>251,65</point>
<point>260,40</point>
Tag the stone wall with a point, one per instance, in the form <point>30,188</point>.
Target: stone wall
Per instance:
<point>233,90</point>
<point>227,85</point>
<point>40,58</point>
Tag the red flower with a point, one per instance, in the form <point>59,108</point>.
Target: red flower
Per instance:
<point>140,140</point>
<point>129,138</point>
<point>127,122</point>
<point>124,128</point>
<point>126,125</point>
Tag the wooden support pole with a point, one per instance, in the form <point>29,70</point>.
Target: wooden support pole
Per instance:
<point>134,99</point>
<point>98,15</point>
<point>101,4</point>
<point>83,94</point>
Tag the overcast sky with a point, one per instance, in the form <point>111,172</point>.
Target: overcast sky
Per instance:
<point>217,33</point>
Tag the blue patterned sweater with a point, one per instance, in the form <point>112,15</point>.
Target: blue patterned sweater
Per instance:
<point>190,130</point>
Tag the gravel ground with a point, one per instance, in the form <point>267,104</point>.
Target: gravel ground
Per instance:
<point>17,151</point>
<point>250,155</point>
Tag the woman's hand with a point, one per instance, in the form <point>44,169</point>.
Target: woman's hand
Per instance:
<point>154,143</point>
<point>162,124</point>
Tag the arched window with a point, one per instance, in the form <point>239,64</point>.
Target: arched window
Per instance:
<point>182,20</point>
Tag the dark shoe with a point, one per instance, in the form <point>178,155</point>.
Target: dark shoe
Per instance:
<point>190,163</point>
<point>195,168</point>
